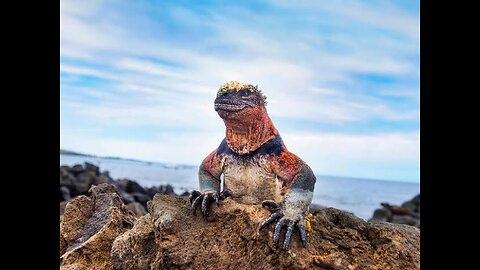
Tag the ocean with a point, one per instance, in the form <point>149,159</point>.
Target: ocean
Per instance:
<point>359,196</point>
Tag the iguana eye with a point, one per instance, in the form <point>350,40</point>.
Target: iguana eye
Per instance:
<point>245,93</point>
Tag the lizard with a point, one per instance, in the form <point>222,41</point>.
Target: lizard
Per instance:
<point>256,165</point>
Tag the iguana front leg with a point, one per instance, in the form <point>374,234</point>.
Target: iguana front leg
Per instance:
<point>209,182</point>
<point>298,182</point>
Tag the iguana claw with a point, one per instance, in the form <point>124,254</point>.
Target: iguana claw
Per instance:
<point>285,219</point>
<point>204,199</point>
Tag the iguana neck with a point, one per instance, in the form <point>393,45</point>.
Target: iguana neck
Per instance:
<point>247,135</point>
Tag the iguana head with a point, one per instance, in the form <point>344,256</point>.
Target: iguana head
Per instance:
<point>235,100</point>
<point>242,108</point>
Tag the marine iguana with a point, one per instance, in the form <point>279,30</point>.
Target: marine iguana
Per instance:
<point>256,165</point>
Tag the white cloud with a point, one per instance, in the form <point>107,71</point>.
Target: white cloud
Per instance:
<point>374,13</point>
<point>148,68</point>
<point>184,148</point>
<point>378,155</point>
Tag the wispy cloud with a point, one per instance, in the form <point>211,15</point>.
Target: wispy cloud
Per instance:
<point>156,68</point>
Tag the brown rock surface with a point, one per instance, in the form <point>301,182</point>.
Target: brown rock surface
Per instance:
<point>137,209</point>
<point>170,237</point>
<point>89,226</point>
<point>136,248</point>
<point>229,240</point>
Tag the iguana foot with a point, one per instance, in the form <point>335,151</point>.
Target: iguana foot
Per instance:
<point>198,198</point>
<point>286,218</point>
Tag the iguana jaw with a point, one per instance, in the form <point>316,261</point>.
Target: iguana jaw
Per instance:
<point>230,107</point>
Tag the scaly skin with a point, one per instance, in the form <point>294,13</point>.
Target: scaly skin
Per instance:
<point>256,165</point>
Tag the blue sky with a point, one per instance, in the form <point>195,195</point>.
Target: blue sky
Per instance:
<point>138,79</point>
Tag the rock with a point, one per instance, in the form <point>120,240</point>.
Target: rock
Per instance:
<point>65,193</point>
<point>101,179</point>
<point>416,199</point>
<point>141,198</point>
<point>106,175</point>
<point>74,267</point>
<point>63,245</point>
<point>126,197</point>
<point>137,209</point>
<point>151,191</point>
<point>90,225</point>
<point>95,191</point>
<point>409,220</point>
<point>381,214</point>
<point>136,248</point>
<point>75,216</point>
<point>67,179</point>
<point>163,189</point>
<point>62,208</point>
<point>185,193</point>
<point>96,233</point>
<point>134,187</point>
<point>129,186</point>
<point>316,207</point>
<point>76,169</point>
<point>410,206</point>
<point>413,204</point>
<point>83,183</point>
<point>92,168</point>
<point>229,238</point>
<point>167,189</point>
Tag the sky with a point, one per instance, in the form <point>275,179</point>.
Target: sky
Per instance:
<point>138,79</point>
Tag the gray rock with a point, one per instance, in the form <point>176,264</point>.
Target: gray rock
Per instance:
<point>129,186</point>
<point>126,197</point>
<point>406,220</point>
<point>138,209</point>
<point>316,207</point>
<point>67,179</point>
<point>106,175</point>
<point>410,205</point>
<point>141,198</point>
<point>65,193</point>
<point>101,179</point>
<point>91,167</point>
<point>83,182</point>
<point>76,169</point>
<point>381,214</point>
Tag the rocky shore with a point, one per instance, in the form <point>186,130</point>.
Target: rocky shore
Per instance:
<point>78,179</point>
<point>101,229</point>
<point>407,213</point>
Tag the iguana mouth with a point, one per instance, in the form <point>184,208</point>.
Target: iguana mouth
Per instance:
<point>230,107</point>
